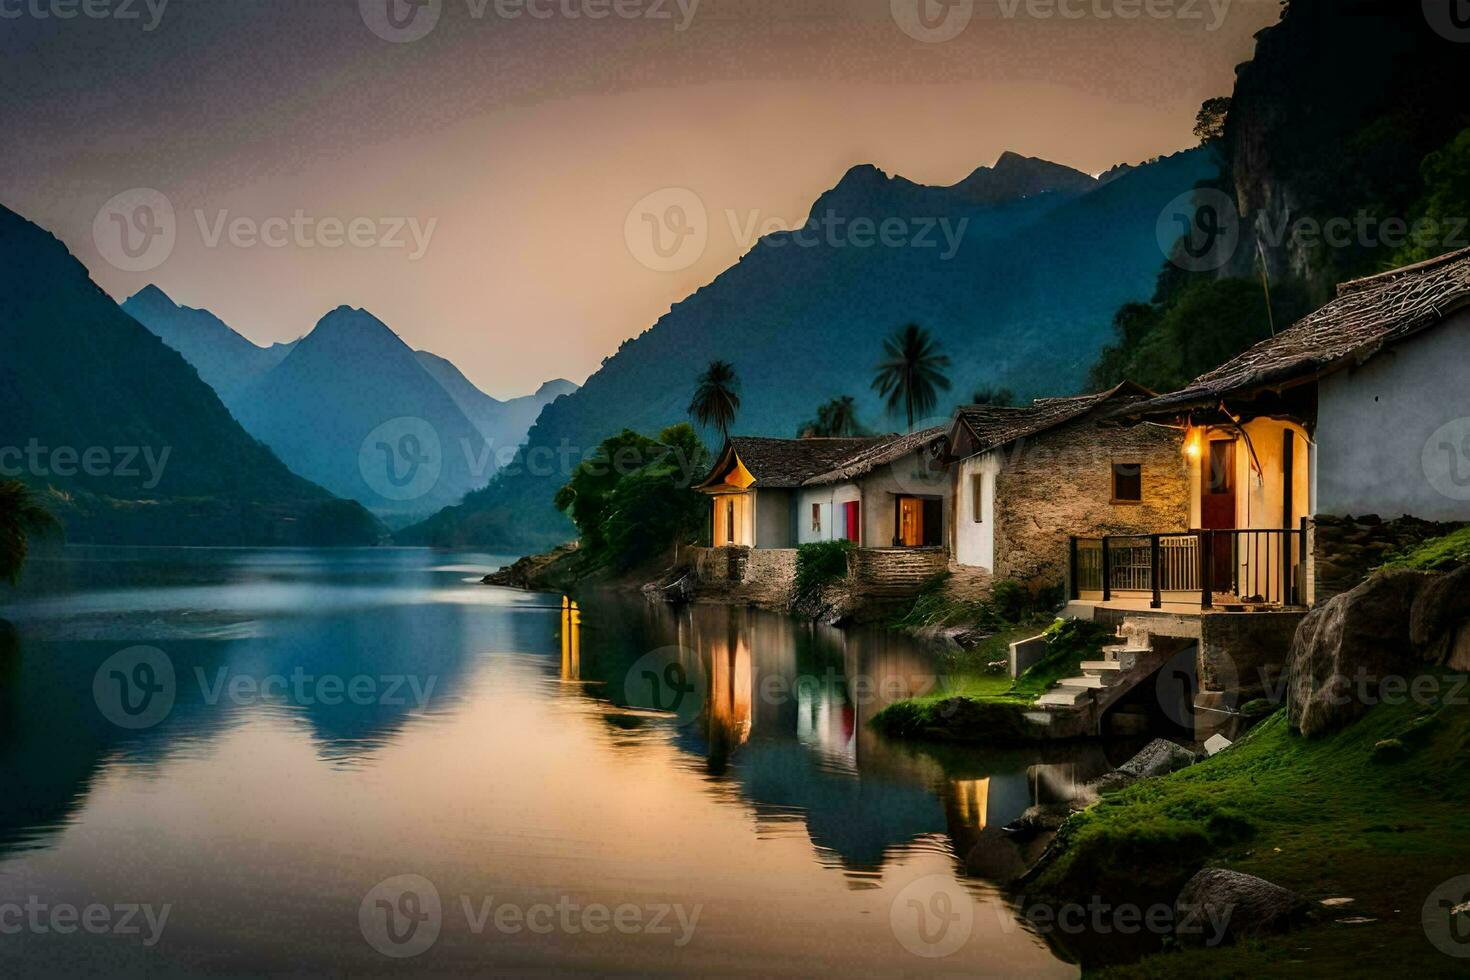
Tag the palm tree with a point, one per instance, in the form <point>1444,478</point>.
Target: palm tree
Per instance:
<point>837,417</point>
<point>21,517</point>
<point>716,397</point>
<point>911,374</point>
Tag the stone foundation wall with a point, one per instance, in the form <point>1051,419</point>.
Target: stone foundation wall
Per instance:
<point>1061,484</point>
<point>1243,654</point>
<point>1346,549</point>
<point>760,576</point>
<point>894,571</point>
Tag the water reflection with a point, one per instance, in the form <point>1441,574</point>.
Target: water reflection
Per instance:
<point>784,722</point>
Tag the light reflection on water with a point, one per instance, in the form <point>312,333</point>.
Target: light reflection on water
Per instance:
<point>518,766</point>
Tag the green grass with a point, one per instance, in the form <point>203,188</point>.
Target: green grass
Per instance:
<point>976,705</point>
<point>1438,554</point>
<point>1326,817</point>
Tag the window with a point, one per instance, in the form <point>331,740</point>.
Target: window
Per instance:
<point>816,517</point>
<point>977,497</point>
<point>730,517</point>
<point>1127,483</point>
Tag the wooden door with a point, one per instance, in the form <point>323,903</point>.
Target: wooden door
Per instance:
<point>1217,507</point>
<point>910,522</point>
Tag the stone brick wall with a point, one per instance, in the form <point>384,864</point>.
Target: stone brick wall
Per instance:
<point>894,571</point>
<point>1346,549</point>
<point>1060,484</point>
<point>760,576</point>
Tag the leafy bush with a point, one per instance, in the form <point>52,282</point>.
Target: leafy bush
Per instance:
<point>821,563</point>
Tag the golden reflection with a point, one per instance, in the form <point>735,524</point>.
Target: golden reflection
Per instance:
<point>972,799</point>
<point>730,706</point>
<point>571,640</point>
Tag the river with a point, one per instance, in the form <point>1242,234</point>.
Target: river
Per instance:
<point>262,761</point>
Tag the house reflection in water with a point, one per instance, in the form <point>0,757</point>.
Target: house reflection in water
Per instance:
<point>571,640</point>
<point>972,801</point>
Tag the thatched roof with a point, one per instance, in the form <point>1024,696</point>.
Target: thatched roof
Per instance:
<point>980,428</point>
<point>881,453</point>
<point>785,463</point>
<point>1367,315</point>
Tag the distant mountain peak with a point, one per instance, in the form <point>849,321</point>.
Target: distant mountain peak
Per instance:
<point>152,296</point>
<point>1014,176</point>
<point>556,387</point>
<point>354,327</point>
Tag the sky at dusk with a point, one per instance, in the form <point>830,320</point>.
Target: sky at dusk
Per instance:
<point>506,151</point>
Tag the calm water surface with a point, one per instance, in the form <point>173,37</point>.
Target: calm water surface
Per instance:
<point>256,740</point>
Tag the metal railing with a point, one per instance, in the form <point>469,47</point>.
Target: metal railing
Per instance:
<point>1248,566</point>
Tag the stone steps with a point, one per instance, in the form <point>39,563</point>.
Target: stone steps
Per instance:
<point>1118,669</point>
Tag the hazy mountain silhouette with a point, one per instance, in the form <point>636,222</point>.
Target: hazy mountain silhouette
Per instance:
<point>225,360</point>
<point>132,446</point>
<point>340,406</point>
<point>502,423</point>
<point>1020,295</point>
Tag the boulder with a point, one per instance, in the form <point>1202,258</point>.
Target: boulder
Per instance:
<point>1158,758</point>
<point>1221,906</point>
<point>1440,610</point>
<point>1359,636</point>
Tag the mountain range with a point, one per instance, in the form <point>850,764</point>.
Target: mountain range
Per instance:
<point>118,432</point>
<point>1016,271</point>
<point>337,404</point>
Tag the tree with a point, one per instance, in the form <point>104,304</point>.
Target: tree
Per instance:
<point>999,397</point>
<point>837,417</point>
<point>22,517</point>
<point>911,374</point>
<point>1437,222</point>
<point>716,398</point>
<point>1209,124</point>
<point>631,501</point>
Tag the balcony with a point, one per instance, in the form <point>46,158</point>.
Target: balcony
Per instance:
<point>1210,569</point>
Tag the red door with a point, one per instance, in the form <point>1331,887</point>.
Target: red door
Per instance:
<point>1217,508</point>
<point>850,520</point>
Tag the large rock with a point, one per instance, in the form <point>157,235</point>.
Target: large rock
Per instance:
<point>1358,637</point>
<point>1441,609</point>
<point>1220,906</point>
<point>1158,758</point>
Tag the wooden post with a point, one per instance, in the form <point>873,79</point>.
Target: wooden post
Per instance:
<point>1206,570</point>
<point>1074,589</point>
<point>1107,570</point>
<point>1155,553</point>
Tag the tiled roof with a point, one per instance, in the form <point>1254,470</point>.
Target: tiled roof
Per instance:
<point>994,426</point>
<point>1367,315</point>
<point>881,453</point>
<point>777,463</point>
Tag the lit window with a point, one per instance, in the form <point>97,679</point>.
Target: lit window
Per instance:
<point>816,517</point>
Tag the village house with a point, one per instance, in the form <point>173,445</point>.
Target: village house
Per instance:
<point>1028,478</point>
<point>1311,457</point>
<point>889,495</point>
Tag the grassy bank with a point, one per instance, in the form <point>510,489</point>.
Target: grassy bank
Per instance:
<point>978,704</point>
<point>1376,812</point>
